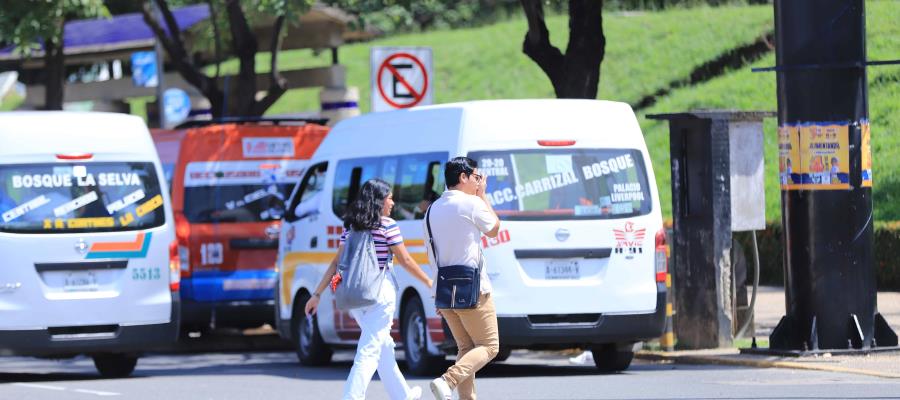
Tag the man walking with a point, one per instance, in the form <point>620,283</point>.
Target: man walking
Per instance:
<point>458,219</point>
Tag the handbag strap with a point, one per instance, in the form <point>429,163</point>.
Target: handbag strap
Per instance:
<point>431,235</point>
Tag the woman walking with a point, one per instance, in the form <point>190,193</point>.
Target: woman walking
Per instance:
<point>376,347</point>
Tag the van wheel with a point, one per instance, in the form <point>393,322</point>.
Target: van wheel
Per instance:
<point>311,349</point>
<point>611,358</point>
<point>115,365</point>
<point>503,354</point>
<point>415,341</point>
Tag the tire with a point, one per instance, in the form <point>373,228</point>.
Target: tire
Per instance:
<point>503,354</point>
<point>115,365</point>
<point>311,349</point>
<point>415,341</point>
<point>610,358</point>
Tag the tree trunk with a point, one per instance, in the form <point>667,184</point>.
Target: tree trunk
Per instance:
<point>587,46</point>
<point>242,97</point>
<point>575,74</point>
<point>55,69</point>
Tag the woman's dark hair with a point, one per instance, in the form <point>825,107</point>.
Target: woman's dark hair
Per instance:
<point>365,211</point>
<point>456,166</point>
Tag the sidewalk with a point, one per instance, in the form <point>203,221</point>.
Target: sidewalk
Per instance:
<point>769,310</point>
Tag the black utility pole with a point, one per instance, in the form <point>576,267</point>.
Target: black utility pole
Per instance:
<point>826,177</point>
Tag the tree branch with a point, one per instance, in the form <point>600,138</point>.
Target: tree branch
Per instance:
<point>172,24</point>
<point>537,43</point>
<point>277,83</point>
<point>217,43</point>
<point>180,59</point>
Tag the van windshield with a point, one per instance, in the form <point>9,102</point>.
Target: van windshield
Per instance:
<point>235,203</point>
<point>239,191</point>
<point>87,197</point>
<point>565,183</point>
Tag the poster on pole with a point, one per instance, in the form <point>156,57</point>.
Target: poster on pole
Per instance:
<point>816,156</point>
<point>401,77</point>
<point>866,150</point>
<point>789,156</point>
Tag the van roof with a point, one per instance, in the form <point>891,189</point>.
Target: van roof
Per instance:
<point>222,142</point>
<point>59,132</point>
<point>459,126</point>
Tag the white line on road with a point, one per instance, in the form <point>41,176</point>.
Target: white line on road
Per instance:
<point>62,389</point>
<point>97,392</point>
<point>46,387</point>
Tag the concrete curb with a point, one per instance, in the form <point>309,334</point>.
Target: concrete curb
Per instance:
<point>755,363</point>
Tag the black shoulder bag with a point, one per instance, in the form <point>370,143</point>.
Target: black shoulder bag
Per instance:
<point>458,286</point>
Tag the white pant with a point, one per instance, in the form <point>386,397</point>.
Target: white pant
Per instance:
<point>376,348</point>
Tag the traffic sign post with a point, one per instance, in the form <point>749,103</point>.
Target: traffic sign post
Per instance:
<point>401,77</point>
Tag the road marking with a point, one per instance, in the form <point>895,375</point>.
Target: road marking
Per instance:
<point>62,389</point>
<point>97,392</point>
<point>46,387</point>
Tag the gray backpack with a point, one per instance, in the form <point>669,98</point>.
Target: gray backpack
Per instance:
<point>360,276</point>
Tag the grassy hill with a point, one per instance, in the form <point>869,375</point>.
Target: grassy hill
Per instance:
<point>645,52</point>
<point>746,90</point>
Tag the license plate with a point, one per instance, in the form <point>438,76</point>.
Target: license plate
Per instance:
<point>562,270</point>
<point>81,281</point>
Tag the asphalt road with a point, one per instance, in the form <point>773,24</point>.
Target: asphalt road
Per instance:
<point>277,375</point>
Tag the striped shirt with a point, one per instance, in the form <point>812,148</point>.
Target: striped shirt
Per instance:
<point>386,236</point>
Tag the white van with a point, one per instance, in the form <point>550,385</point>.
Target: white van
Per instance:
<point>87,236</point>
<point>580,259</point>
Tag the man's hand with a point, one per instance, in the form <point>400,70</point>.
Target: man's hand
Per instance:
<point>481,189</point>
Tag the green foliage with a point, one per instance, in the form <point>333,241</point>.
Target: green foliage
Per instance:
<point>644,53</point>
<point>771,270</point>
<point>11,101</point>
<point>745,90</point>
<point>391,16</point>
<point>667,4</point>
<point>27,24</point>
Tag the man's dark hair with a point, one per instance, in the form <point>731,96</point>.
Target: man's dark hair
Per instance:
<point>456,166</point>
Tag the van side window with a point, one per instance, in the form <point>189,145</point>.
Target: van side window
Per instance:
<point>421,182</point>
<point>350,176</point>
<point>417,180</point>
<point>312,184</point>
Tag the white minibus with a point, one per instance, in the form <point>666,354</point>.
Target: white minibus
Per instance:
<point>580,261</point>
<point>87,237</point>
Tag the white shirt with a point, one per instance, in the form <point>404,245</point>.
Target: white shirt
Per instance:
<point>458,220</point>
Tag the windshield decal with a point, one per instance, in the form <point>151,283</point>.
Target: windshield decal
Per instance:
<point>85,223</point>
<point>73,205</point>
<point>532,188</point>
<point>493,167</point>
<point>82,180</point>
<point>25,208</point>
<point>126,219</point>
<point>149,205</point>
<point>128,200</point>
<point>623,192</point>
<point>611,166</point>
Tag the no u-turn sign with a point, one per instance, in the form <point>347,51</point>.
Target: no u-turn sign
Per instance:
<point>401,77</point>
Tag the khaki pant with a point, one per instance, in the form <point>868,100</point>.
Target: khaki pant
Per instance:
<point>475,331</point>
